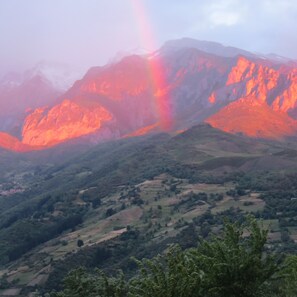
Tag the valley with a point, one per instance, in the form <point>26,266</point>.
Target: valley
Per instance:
<point>135,197</point>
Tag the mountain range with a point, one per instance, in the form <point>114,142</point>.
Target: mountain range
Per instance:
<point>193,81</point>
<point>147,151</point>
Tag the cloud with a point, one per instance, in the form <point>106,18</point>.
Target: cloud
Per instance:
<point>225,13</point>
<point>90,34</point>
<point>255,25</point>
<point>279,7</point>
<point>228,18</point>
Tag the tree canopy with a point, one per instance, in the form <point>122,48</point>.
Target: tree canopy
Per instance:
<point>237,263</point>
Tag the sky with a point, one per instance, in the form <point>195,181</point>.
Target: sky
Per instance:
<point>85,33</point>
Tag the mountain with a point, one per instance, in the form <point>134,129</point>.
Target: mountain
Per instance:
<point>254,119</point>
<point>39,86</point>
<point>210,47</point>
<point>16,98</point>
<point>132,97</point>
<point>12,143</point>
<point>70,198</point>
<point>263,103</point>
<point>111,100</point>
<point>61,76</point>
<point>184,83</point>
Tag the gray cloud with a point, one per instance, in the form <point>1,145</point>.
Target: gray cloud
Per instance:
<point>89,32</point>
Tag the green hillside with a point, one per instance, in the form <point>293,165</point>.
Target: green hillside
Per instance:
<point>134,197</point>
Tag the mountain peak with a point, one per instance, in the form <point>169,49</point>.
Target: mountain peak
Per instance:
<point>61,76</point>
<point>210,47</point>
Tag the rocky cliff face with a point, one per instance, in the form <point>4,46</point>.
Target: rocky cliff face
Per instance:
<point>64,121</point>
<point>13,144</point>
<point>263,101</point>
<point>129,96</point>
<point>255,119</point>
<point>238,94</point>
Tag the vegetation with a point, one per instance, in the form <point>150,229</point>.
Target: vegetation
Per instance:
<point>134,198</point>
<point>236,264</point>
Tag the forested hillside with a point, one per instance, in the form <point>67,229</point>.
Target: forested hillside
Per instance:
<point>134,198</point>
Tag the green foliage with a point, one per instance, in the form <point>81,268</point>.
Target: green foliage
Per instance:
<point>234,265</point>
<point>177,275</point>
<point>80,284</point>
<point>25,234</point>
<point>287,286</point>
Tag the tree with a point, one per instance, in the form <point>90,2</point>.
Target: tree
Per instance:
<point>80,284</point>
<point>236,264</point>
<point>96,202</point>
<point>109,212</point>
<point>80,243</point>
<point>232,265</point>
<point>287,285</point>
<point>174,276</point>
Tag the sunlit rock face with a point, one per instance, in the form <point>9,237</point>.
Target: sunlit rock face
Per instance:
<point>131,95</point>
<point>108,102</point>
<point>263,97</point>
<point>254,119</point>
<point>237,93</point>
<point>129,77</point>
<point>13,144</point>
<point>64,121</point>
<point>286,100</point>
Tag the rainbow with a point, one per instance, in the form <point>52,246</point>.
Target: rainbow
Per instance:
<point>156,69</point>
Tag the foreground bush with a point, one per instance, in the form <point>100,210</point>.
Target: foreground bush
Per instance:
<point>233,265</point>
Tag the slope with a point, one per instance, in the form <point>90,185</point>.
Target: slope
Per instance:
<point>94,196</point>
<point>254,119</point>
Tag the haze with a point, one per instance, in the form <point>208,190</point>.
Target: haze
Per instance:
<point>88,33</point>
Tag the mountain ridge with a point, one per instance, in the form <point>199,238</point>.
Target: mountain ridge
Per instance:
<point>123,98</point>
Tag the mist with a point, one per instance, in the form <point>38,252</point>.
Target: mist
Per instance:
<point>88,33</point>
